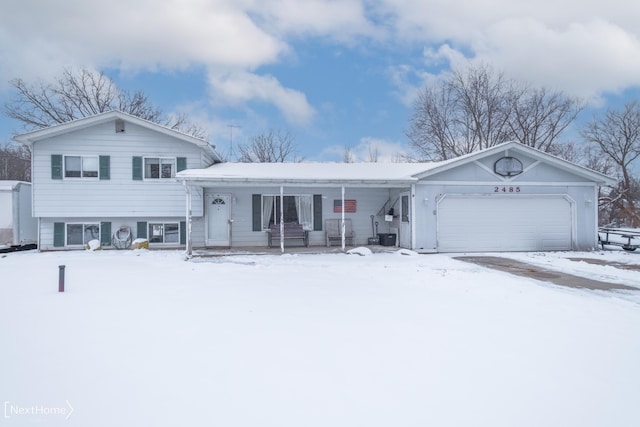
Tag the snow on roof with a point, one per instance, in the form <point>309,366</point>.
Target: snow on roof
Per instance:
<point>308,172</point>
<point>11,185</point>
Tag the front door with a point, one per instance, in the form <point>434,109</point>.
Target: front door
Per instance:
<point>404,239</point>
<point>218,219</point>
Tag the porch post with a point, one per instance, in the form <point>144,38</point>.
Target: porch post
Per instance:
<point>282,219</point>
<point>189,248</point>
<point>342,227</point>
<point>412,218</point>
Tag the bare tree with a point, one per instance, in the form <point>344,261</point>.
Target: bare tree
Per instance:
<point>481,108</point>
<point>617,134</point>
<point>81,93</point>
<point>272,147</point>
<point>15,163</point>
<point>347,155</point>
<point>539,116</point>
<point>374,153</point>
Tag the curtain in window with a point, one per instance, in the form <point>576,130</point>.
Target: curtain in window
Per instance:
<point>267,209</point>
<point>304,204</point>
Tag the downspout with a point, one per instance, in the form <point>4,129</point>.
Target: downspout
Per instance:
<point>38,237</point>
<point>33,198</point>
<point>281,219</point>
<point>188,213</point>
<point>342,225</point>
<point>596,206</point>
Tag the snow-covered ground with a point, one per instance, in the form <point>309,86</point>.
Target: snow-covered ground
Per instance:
<point>143,338</point>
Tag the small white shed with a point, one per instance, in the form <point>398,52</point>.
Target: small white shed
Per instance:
<point>17,226</point>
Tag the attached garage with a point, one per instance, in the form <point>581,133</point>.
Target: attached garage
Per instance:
<point>468,223</point>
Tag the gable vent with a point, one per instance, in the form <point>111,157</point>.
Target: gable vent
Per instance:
<point>119,126</point>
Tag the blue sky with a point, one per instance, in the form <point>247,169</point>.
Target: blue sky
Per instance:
<point>334,74</point>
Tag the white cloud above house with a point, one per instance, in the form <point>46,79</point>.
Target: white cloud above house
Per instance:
<point>585,48</point>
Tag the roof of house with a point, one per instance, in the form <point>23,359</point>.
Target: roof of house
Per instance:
<point>62,128</point>
<point>308,173</point>
<point>364,173</point>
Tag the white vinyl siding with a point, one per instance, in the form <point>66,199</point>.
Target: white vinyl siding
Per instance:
<point>47,228</point>
<point>119,196</point>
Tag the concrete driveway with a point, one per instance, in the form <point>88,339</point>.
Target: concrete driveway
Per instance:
<point>535,272</point>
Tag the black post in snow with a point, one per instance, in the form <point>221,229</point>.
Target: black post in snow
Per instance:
<point>61,278</point>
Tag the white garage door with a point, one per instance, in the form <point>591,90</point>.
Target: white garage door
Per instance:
<point>504,223</point>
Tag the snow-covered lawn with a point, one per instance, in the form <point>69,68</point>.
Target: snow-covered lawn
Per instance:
<point>144,338</point>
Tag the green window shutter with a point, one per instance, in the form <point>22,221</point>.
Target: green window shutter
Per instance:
<point>105,234</point>
<point>58,234</point>
<point>181,164</point>
<point>141,230</point>
<point>317,212</point>
<point>105,167</point>
<point>256,205</point>
<point>183,232</point>
<point>137,168</point>
<point>56,167</point>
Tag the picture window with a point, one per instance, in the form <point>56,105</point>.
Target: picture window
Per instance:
<point>81,166</point>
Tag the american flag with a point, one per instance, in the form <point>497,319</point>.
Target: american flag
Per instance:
<point>349,206</point>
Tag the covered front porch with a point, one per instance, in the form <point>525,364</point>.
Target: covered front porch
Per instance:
<point>238,206</point>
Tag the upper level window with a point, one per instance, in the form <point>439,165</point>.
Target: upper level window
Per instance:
<point>159,167</point>
<point>81,166</point>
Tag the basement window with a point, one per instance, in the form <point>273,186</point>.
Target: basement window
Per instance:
<point>164,233</point>
<point>81,234</point>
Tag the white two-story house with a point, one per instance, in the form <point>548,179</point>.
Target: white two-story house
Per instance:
<point>94,175</point>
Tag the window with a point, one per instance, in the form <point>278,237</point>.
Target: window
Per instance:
<point>159,167</point>
<point>404,206</point>
<point>164,233</point>
<point>81,234</point>
<point>81,166</point>
<point>296,209</point>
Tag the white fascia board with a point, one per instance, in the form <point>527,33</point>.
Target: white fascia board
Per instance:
<point>582,171</point>
<point>205,182</point>
<point>31,137</point>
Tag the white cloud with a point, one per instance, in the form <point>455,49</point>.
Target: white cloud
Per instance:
<point>583,59</point>
<point>339,20</point>
<point>241,86</point>
<point>582,47</point>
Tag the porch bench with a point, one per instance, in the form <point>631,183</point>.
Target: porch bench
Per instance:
<point>333,231</point>
<point>291,231</point>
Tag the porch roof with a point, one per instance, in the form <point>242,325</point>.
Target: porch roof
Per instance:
<point>307,173</point>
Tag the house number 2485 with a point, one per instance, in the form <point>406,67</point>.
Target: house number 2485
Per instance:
<point>506,189</point>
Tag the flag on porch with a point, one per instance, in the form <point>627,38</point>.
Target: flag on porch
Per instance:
<point>349,206</point>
